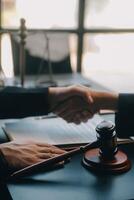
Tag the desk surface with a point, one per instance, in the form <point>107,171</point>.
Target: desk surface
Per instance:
<point>75,182</point>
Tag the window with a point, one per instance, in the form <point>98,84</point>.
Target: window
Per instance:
<point>101,31</point>
<point>109,14</point>
<point>40,14</point>
<point>108,38</point>
<point>108,53</point>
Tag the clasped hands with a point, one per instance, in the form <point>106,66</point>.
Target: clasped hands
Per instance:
<point>74,104</point>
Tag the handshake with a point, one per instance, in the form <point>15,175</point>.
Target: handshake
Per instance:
<point>79,103</point>
<point>74,104</point>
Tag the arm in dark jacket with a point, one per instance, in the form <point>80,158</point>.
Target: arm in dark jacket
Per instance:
<point>125,116</point>
<point>21,102</point>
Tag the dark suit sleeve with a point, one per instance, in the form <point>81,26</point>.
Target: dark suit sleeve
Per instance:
<point>4,168</point>
<point>19,102</point>
<point>124,118</point>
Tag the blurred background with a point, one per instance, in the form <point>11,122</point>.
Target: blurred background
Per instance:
<point>100,36</point>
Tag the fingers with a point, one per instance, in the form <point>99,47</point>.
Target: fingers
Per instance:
<point>50,152</point>
<point>82,117</point>
<point>61,108</point>
<point>75,105</point>
<point>42,147</point>
<point>75,113</point>
<point>19,155</point>
<point>45,149</point>
<point>47,155</point>
<point>72,104</point>
<point>67,101</point>
<point>74,110</point>
<point>77,117</point>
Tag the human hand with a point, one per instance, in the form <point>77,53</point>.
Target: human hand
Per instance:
<point>20,154</point>
<point>59,94</point>
<point>74,109</point>
<point>73,103</point>
<point>79,103</point>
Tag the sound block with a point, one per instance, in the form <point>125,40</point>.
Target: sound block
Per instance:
<point>93,161</point>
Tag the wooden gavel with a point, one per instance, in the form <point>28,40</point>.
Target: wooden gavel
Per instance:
<point>100,155</point>
<point>106,158</point>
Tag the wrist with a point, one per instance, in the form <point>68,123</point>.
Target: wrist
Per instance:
<point>56,94</point>
<point>106,100</point>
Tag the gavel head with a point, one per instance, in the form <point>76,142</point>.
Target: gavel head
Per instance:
<point>107,138</point>
<point>106,158</point>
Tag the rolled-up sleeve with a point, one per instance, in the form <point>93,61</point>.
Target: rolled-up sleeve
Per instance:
<point>21,102</point>
<point>124,118</point>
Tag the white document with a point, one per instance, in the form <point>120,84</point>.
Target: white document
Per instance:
<point>55,131</point>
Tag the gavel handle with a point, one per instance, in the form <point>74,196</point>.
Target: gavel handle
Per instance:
<point>51,161</point>
<point>125,141</point>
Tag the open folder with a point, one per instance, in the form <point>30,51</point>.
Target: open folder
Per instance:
<point>55,131</point>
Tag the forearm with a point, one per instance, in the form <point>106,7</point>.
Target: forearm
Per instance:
<point>19,102</point>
